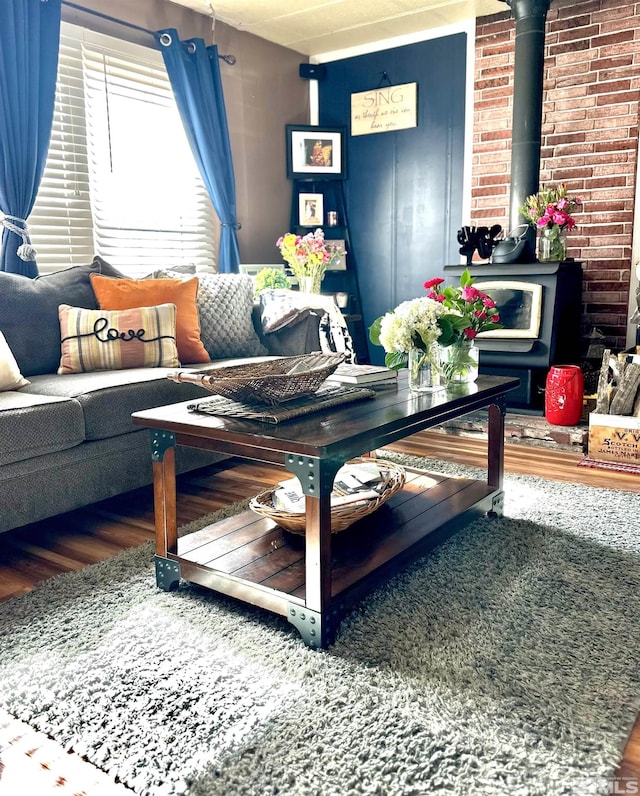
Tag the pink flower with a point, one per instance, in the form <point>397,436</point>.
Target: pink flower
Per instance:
<point>469,293</point>
<point>436,296</point>
<point>467,311</point>
<point>551,207</point>
<point>437,280</point>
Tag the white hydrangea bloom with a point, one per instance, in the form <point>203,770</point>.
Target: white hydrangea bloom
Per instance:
<point>416,317</point>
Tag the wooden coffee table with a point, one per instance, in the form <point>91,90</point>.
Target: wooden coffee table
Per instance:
<point>314,579</point>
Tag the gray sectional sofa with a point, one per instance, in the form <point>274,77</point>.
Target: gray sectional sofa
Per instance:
<point>68,440</point>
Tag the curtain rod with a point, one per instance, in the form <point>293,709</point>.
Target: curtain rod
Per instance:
<point>107,17</point>
<point>229,59</point>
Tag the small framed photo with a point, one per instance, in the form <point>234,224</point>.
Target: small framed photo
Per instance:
<point>311,209</point>
<point>339,263</point>
<point>315,153</point>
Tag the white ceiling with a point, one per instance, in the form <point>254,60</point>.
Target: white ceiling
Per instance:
<point>313,27</point>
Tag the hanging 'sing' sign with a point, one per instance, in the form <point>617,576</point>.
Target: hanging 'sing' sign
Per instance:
<point>384,109</point>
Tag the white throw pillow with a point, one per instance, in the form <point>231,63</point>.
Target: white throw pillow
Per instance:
<point>10,376</point>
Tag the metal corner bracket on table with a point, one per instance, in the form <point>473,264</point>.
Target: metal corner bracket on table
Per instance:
<point>315,475</point>
<point>167,573</point>
<point>160,442</point>
<point>317,630</point>
<point>497,507</point>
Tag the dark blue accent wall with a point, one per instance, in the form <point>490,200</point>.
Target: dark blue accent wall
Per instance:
<point>404,189</point>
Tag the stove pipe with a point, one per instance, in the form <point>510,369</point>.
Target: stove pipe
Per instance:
<point>526,137</point>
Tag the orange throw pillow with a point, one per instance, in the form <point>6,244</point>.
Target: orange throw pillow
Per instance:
<point>126,294</point>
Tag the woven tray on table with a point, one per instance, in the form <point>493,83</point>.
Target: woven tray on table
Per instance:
<point>341,516</point>
<point>272,382</point>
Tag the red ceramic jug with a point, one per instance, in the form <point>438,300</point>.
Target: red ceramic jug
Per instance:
<point>563,395</point>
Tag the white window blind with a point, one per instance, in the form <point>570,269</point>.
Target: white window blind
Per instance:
<point>120,179</point>
<point>60,223</point>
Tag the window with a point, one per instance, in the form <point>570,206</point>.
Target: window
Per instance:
<point>120,180</point>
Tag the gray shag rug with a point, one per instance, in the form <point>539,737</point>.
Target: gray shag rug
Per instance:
<point>506,661</point>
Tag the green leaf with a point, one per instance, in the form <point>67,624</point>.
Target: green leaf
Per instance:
<point>374,331</point>
<point>448,333</point>
<point>450,293</point>
<point>417,340</point>
<point>459,322</point>
<point>396,360</point>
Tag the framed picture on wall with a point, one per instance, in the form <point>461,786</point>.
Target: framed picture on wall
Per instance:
<point>315,153</point>
<point>310,209</point>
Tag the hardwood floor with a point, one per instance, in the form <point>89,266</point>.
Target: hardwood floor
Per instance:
<point>72,541</point>
<point>559,465</point>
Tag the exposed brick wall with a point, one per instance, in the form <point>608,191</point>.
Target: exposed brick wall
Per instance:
<point>589,138</point>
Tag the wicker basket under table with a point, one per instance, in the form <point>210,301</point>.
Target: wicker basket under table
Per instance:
<point>341,516</point>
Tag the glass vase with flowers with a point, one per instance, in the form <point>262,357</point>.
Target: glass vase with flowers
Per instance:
<point>467,312</point>
<point>409,335</point>
<point>550,211</point>
<point>308,257</point>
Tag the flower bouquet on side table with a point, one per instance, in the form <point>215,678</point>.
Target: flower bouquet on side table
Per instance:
<point>550,211</point>
<point>308,257</point>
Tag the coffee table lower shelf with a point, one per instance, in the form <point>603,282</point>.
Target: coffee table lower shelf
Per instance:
<point>251,558</point>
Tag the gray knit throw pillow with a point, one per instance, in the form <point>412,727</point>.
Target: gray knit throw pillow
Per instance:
<point>225,307</point>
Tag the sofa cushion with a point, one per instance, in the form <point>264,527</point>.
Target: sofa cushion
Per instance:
<point>10,376</point>
<point>32,425</point>
<point>108,397</point>
<point>225,308</point>
<point>116,339</point>
<point>225,304</point>
<point>124,294</point>
<point>29,312</point>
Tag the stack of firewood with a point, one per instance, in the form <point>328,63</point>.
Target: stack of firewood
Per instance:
<point>619,384</point>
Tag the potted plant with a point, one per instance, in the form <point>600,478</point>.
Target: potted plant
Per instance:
<point>308,257</point>
<point>269,279</point>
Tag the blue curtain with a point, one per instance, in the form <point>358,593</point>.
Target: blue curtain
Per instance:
<point>194,72</point>
<point>29,41</point>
